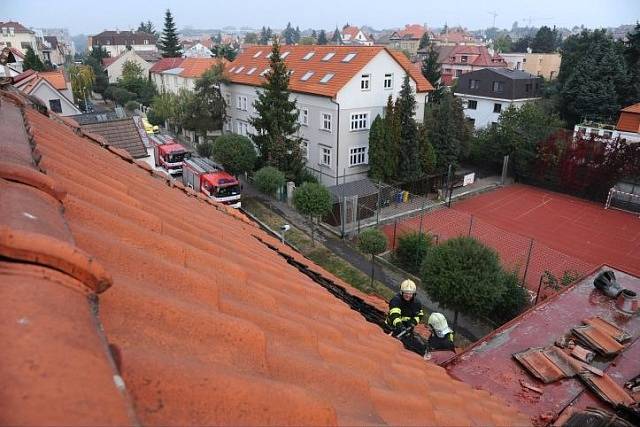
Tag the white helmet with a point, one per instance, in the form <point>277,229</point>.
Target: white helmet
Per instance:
<point>408,287</point>
<point>439,324</point>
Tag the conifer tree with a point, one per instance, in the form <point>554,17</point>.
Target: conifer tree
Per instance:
<point>32,61</point>
<point>276,123</point>
<point>337,38</point>
<point>391,142</point>
<point>169,45</point>
<point>409,167</point>
<point>322,37</point>
<point>376,149</point>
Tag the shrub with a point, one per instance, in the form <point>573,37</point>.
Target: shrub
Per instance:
<point>235,153</point>
<point>131,106</point>
<point>305,176</point>
<point>514,300</point>
<point>411,250</point>
<point>268,180</point>
<point>205,149</point>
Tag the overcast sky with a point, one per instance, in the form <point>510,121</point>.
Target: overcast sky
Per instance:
<point>92,17</point>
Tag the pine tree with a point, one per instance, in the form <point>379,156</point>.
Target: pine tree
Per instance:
<point>337,38</point>
<point>448,131</point>
<point>32,61</point>
<point>632,58</point>
<point>409,167</point>
<point>296,35</point>
<point>322,37</point>
<point>276,123</point>
<point>545,40</point>
<point>428,158</point>
<point>431,71</point>
<point>376,150</point>
<point>424,41</point>
<point>289,34</point>
<point>314,34</point>
<point>169,45</point>
<point>391,142</point>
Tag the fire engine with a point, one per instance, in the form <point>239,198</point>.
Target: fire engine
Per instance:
<point>211,179</point>
<point>168,153</point>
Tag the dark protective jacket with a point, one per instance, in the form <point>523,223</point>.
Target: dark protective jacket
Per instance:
<point>444,343</point>
<point>410,312</point>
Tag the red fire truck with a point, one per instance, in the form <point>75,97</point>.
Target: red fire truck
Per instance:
<point>210,178</point>
<point>168,153</point>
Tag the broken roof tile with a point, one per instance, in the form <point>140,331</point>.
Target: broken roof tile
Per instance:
<point>598,339</point>
<point>607,389</point>
<point>211,325</point>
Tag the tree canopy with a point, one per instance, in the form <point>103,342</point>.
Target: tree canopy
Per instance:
<point>32,61</point>
<point>546,40</point>
<point>322,37</point>
<point>235,153</point>
<point>268,180</point>
<point>448,131</point>
<point>312,200</point>
<point>409,167</point>
<point>207,111</point>
<point>169,44</point>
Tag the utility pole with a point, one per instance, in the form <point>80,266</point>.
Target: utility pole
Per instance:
<point>494,14</point>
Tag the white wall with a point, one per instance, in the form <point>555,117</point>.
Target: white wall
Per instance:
<point>17,39</point>
<point>483,115</point>
<point>44,92</point>
<point>114,70</point>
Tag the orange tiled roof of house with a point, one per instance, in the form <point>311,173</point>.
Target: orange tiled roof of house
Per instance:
<point>166,64</point>
<point>128,299</point>
<point>414,31</point>
<point>56,78</point>
<point>629,120</point>
<point>351,31</point>
<point>195,67</point>
<point>28,80</point>
<point>253,61</point>
<point>17,27</point>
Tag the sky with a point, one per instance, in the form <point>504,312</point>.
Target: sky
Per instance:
<point>80,16</point>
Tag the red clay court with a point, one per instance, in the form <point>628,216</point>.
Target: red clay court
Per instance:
<point>568,233</point>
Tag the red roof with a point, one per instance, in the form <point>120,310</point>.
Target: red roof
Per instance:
<point>17,27</point>
<point>412,31</point>
<point>635,108</point>
<point>28,80</point>
<point>253,61</point>
<point>351,31</point>
<point>454,37</point>
<point>17,53</point>
<point>129,299</point>
<point>166,64</point>
<point>195,67</point>
<point>478,56</point>
<point>629,120</point>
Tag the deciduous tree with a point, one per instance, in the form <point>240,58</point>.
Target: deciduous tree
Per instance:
<point>235,153</point>
<point>372,242</point>
<point>313,201</point>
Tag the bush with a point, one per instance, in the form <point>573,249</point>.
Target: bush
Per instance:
<point>235,153</point>
<point>411,250</point>
<point>514,300</point>
<point>131,106</point>
<point>119,95</point>
<point>305,176</point>
<point>464,275</point>
<point>205,149</point>
<point>268,180</point>
<point>154,119</point>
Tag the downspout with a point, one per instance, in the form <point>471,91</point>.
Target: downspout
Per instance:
<point>337,143</point>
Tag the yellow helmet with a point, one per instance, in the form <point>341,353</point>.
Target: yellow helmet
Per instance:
<point>408,287</point>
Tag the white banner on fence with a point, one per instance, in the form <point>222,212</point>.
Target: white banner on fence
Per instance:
<point>468,179</point>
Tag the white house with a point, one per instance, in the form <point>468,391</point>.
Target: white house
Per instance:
<point>113,66</point>
<point>117,42</point>
<point>198,50</point>
<point>487,92</point>
<point>354,35</point>
<point>49,87</point>
<point>13,34</point>
<point>173,74</point>
<point>339,90</point>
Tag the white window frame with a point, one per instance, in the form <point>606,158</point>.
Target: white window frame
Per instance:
<point>241,103</point>
<point>365,81</point>
<point>358,155</point>
<point>303,116</point>
<point>388,81</point>
<point>304,148</point>
<point>359,121</point>
<point>325,155</point>
<point>324,119</point>
<point>328,56</point>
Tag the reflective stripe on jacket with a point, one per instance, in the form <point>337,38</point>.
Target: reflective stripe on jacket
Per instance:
<point>404,311</point>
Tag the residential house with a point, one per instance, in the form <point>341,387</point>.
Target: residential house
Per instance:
<point>627,127</point>
<point>198,50</point>
<point>487,92</point>
<point>456,60</point>
<point>183,72</point>
<point>546,65</point>
<point>117,42</point>
<point>13,34</point>
<point>339,90</point>
<point>10,62</point>
<point>408,39</point>
<point>52,88</point>
<point>53,51</point>
<point>203,317</point>
<point>113,65</point>
<point>456,37</point>
<point>354,35</point>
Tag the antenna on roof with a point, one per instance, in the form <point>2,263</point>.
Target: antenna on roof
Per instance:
<point>494,14</point>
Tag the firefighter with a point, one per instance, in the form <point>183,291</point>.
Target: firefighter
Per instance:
<point>405,312</point>
<point>441,335</point>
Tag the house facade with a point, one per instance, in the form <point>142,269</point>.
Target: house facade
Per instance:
<point>339,91</point>
<point>15,35</point>
<point>408,38</point>
<point>487,92</point>
<point>354,35</point>
<point>457,60</point>
<point>546,65</point>
<point>51,88</point>
<point>113,66</point>
<point>173,74</point>
<point>198,50</point>
<point>117,42</point>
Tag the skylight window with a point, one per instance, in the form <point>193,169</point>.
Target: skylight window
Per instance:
<point>257,54</point>
<point>231,70</point>
<point>307,76</point>
<point>349,57</point>
<point>268,55</point>
<point>308,56</point>
<point>251,71</point>
<point>264,72</point>
<point>239,70</point>
<point>326,78</point>
<point>328,56</point>
<point>284,55</point>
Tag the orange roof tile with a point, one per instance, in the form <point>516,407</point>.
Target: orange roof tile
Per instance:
<point>165,64</point>
<point>635,108</point>
<point>351,30</point>
<point>56,78</point>
<point>195,67</point>
<point>199,321</point>
<point>414,31</point>
<point>256,57</point>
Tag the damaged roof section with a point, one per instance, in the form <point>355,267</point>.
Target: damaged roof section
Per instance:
<point>202,324</point>
<point>577,348</point>
<point>120,132</point>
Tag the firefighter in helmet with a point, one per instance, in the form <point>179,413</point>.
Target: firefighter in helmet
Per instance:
<point>405,312</point>
<point>441,335</point>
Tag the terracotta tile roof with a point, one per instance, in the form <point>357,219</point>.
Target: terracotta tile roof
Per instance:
<point>123,38</point>
<point>17,27</point>
<point>109,60</point>
<point>56,78</point>
<point>410,31</point>
<point>479,56</point>
<point>17,53</point>
<point>195,67</point>
<point>635,108</point>
<point>256,57</point>
<point>199,322</point>
<point>165,64</point>
<point>121,133</point>
<point>351,31</point>
<point>28,81</point>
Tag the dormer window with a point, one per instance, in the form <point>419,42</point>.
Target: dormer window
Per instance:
<point>146,41</point>
<point>464,59</point>
<point>12,31</point>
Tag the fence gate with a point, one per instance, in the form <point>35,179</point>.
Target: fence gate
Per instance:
<point>349,213</point>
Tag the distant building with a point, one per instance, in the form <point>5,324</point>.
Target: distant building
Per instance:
<point>339,91</point>
<point>198,50</point>
<point>546,65</point>
<point>456,37</point>
<point>457,60</point>
<point>117,42</point>
<point>408,38</point>
<point>173,74</point>
<point>487,92</point>
<point>353,35</point>
<point>145,59</point>
<point>13,34</point>
<point>52,88</point>
<point>627,127</point>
